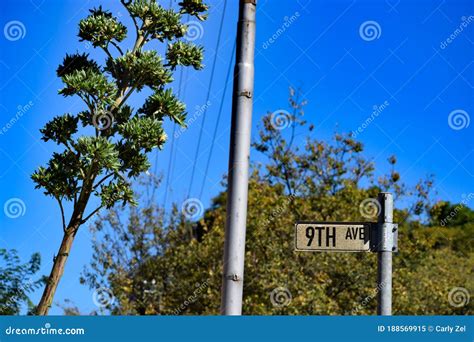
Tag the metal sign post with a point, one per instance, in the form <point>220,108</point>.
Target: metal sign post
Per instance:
<point>386,232</point>
<point>380,237</point>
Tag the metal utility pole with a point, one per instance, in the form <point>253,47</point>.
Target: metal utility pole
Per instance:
<point>237,191</point>
<point>385,231</point>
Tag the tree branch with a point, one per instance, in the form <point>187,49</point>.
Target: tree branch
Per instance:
<point>102,180</point>
<point>117,47</point>
<point>69,148</point>
<point>62,213</point>
<point>140,41</point>
<point>124,98</point>
<point>91,214</point>
<point>86,101</point>
<point>133,18</point>
<point>107,52</point>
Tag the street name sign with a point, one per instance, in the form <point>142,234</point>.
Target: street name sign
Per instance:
<point>380,237</point>
<point>334,236</point>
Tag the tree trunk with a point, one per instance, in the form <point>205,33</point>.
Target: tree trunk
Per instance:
<point>63,253</point>
<point>57,270</point>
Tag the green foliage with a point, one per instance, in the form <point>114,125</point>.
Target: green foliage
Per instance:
<point>97,154</point>
<point>142,132</point>
<point>121,136</point>
<point>132,160</point>
<point>75,62</point>
<point>59,179</point>
<point>100,28</point>
<point>162,104</point>
<point>16,282</point>
<point>88,83</point>
<point>162,24</point>
<point>185,54</point>
<point>139,69</point>
<point>60,129</point>
<point>155,264</point>
<point>194,7</point>
<point>114,192</point>
<point>450,215</point>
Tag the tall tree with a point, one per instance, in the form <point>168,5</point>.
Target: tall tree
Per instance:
<point>100,164</point>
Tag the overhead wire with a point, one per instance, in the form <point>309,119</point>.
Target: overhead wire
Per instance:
<point>207,99</point>
<point>170,162</point>
<point>221,106</point>
<point>155,169</point>
<point>183,94</point>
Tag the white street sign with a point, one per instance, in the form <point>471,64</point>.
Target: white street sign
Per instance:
<point>333,236</point>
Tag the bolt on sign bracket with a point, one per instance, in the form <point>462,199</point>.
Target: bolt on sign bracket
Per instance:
<point>385,237</point>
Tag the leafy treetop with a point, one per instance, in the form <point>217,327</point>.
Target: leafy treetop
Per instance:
<point>122,136</point>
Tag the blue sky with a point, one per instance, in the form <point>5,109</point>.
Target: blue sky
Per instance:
<point>403,58</point>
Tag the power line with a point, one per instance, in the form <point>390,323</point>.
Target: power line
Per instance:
<point>155,170</point>
<point>172,143</point>
<point>207,98</point>
<point>174,129</point>
<point>229,69</point>
<point>183,94</point>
